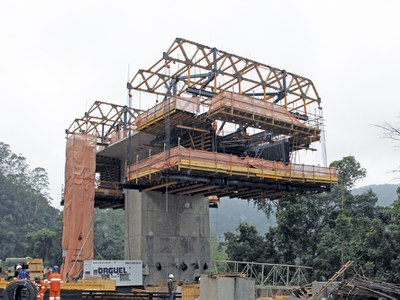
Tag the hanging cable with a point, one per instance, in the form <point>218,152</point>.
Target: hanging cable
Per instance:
<point>79,253</point>
<point>323,141</point>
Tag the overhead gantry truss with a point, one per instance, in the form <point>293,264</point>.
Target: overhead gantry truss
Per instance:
<point>105,121</point>
<point>189,67</point>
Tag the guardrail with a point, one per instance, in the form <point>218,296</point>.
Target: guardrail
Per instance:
<point>266,274</point>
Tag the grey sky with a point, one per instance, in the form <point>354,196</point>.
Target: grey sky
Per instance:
<point>58,57</point>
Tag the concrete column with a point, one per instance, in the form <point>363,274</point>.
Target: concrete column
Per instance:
<point>172,234</point>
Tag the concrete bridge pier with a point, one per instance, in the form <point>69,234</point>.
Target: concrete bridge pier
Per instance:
<point>169,233</point>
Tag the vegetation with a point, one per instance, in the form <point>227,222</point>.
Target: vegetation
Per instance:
<point>109,233</point>
<point>30,226</point>
<point>325,230</point>
<point>321,231</point>
<point>28,223</point>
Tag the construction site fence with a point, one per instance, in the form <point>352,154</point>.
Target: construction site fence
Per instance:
<point>266,274</point>
<point>230,165</point>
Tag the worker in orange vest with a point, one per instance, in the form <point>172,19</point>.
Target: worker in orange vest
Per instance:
<point>55,280</point>
<point>41,287</point>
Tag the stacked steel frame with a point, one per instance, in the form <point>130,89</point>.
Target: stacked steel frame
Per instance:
<point>204,89</point>
<point>182,145</point>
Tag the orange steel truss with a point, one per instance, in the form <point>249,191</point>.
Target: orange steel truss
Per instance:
<point>205,88</point>
<point>207,71</point>
<point>107,121</point>
<point>180,146</point>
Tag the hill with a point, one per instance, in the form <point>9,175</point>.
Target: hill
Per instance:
<point>231,212</point>
<point>386,192</point>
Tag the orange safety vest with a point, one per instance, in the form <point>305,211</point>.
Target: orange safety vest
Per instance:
<point>42,287</point>
<point>55,279</point>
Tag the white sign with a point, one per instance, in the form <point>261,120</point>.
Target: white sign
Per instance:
<point>124,272</point>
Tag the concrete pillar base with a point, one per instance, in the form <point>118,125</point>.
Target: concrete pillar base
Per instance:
<point>170,234</point>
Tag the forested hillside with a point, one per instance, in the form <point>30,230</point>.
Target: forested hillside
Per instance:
<point>326,230</point>
<point>321,231</point>
<point>231,212</point>
<point>386,193</point>
<point>29,225</point>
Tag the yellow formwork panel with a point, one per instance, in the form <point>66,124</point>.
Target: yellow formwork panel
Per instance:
<point>82,285</point>
<point>191,292</point>
<point>155,118</point>
<point>98,285</point>
<point>3,284</point>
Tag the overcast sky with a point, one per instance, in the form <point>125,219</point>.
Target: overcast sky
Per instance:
<point>58,57</point>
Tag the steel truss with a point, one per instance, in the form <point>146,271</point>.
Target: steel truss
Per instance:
<point>268,275</point>
<point>189,67</point>
<point>105,120</point>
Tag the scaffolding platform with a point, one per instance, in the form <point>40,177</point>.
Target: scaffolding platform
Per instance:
<point>211,173</point>
<point>249,111</point>
<point>181,111</point>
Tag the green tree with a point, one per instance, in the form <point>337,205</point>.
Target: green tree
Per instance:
<point>217,249</point>
<point>42,241</point>
<point>324,230</point>
<point>246,245</point>
<point>25,211</point>
<point>349,171</point>
<point>109,234</point>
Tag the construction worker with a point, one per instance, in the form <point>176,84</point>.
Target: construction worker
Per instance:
<point>41,287</point>
<point>27,274</point>
<point>171,286</point>
<point>18,269</point>
<point>55,280</point>
<point>19,273</point>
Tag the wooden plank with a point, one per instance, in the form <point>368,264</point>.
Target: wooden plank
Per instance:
<point>192,128</point>
<point>204,188</point>
<point>184,188</point>
<point>160,186</point>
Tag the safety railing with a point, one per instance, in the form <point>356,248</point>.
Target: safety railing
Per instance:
<point>229,165</point>
<point>259,110</point>
<point>266,274</point>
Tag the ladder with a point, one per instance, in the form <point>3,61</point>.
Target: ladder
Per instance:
<point>332,279</point>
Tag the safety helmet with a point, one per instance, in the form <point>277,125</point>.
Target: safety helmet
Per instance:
<point>171,276</point>
<point>37,279</point>
<point>56,269</point>
<point>27,271</point>
<point>18,267</point>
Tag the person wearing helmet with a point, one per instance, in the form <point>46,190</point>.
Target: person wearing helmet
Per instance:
<point>41,287</point>
<point>18,269</point>
<point>20,273</point>
<point>171,286</point>
<point>55,280</point>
